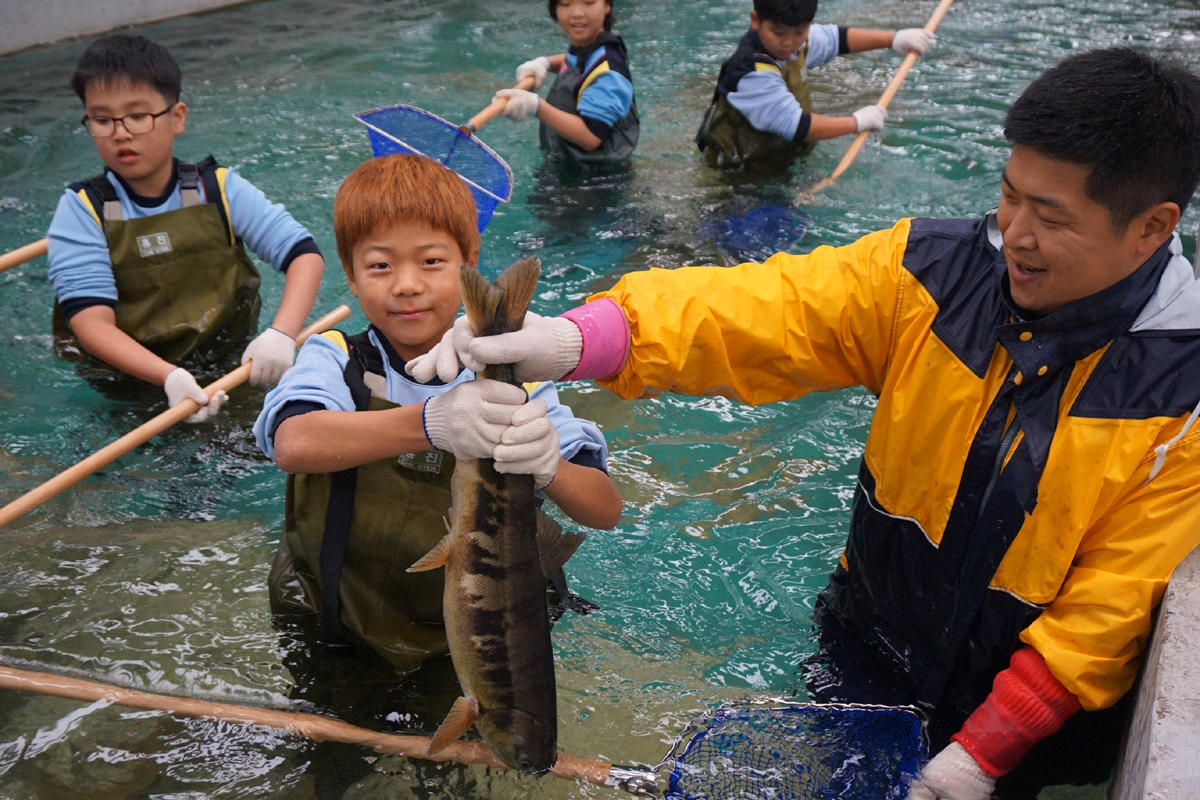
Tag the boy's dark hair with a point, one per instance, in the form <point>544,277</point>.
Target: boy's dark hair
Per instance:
<point>786,12</point>
<point>135,59</point>
<point>1134,119</point>
<point>609,19</point>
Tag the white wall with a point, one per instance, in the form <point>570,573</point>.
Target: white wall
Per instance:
<point>1162,753</point>
<point>24,23</point>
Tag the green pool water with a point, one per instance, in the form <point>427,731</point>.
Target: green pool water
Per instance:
<point>152,574</point>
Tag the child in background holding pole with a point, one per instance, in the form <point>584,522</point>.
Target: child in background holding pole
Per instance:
<point>146,259</point>
<point>761,114</point>
<point>590,117</point>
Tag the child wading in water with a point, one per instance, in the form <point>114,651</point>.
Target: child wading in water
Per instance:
<point>590,117</point>
<point>370,451</point>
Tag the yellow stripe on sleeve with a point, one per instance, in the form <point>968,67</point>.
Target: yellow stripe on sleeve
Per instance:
<point>596,72</point>
<point>222,173</point>
<point>337,338</point>
<point>88,205</point>
<point>761,67</point>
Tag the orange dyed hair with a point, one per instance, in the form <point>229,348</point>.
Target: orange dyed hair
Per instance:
<point>399,188</point>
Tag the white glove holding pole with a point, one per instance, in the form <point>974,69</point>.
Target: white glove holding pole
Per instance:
<point>530,446</point>
<point>545,349</point>
<point>952,775</point>
<point>520,103</point>
<point>272,354</point>
<point>917,39</point>
<point>470,419</point>
<point>869,118</point>
<point>181,385</point>
<point>537,69</point>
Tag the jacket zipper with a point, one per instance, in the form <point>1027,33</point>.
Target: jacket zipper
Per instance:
<point>1006,443</point>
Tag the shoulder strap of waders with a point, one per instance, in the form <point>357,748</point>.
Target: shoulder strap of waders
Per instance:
<point>364,358</point>
<point>103,197</point>
<point>214,192</point>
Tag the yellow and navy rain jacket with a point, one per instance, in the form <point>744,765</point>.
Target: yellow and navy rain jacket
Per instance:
<point>1026,481</point>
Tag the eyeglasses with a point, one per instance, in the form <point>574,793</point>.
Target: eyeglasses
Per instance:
<point>140,122</point>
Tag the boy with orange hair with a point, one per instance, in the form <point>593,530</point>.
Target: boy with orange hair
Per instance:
<point>370,452</point>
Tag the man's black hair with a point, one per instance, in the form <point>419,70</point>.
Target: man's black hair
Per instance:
<point>609,19</point>
<point>135,59</point>
<point>786,12</point>
<point>1132,118</point>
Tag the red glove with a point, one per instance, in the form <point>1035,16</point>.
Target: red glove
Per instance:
<point>1026,705</point>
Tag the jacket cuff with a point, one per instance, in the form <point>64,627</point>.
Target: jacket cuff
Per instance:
<point>1027,704</point>
<point>598,129</point>
<point>605,345</point>
<point>76,304</point>
<point>802,127</point>
<point>298,249</point>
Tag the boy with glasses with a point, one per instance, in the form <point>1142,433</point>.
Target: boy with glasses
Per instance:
<point>147,258</point>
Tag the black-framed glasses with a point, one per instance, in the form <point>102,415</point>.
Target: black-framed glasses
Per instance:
<point>139,122</point>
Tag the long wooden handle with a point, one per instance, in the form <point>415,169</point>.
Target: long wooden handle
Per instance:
<point>495,107</point>
<point>310,726</point>
<point>105,456</point>
<point>23,254</point>
<point>885,99</point>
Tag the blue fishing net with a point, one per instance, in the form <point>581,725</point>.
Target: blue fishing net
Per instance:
<point>411,131</point>
<point>801,752</point>
<point>757,234</point>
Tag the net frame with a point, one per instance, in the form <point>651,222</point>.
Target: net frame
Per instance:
<point>490,199</point>
<point>700,727</point>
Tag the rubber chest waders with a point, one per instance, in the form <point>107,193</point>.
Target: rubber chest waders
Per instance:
<point>359,530</point>
<point>617,148</point>
<point>186,290</point>
<point>729,140</point>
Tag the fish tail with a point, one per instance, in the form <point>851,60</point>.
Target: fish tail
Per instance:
<point>518,281</point>
<point>481,299</point>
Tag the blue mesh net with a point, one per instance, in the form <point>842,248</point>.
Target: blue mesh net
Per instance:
<point>409,130</point>
<point>801,752</point>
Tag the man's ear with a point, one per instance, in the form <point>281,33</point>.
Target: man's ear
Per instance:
<point>754,23</point>
<point>1155,226</point>
<point>349,270</point>
<point>179,117</point>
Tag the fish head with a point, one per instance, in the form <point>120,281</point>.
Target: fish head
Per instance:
<point>520,740</point>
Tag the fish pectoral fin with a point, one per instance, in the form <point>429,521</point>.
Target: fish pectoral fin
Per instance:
<point>462,716</point>
<point>437,557</point>
<point>554,546</point>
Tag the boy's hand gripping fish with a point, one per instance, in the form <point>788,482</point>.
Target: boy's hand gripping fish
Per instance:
<point>498,555</point>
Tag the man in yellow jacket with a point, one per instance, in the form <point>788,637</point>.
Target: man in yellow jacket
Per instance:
<point>1032,472</point>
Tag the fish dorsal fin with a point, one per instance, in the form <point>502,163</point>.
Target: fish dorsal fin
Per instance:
<point>438,556</point>
<point>519,282</point>
<point>554,546</point>
<point>462,715</point>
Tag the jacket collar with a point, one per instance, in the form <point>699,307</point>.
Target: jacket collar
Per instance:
<point>1080,327</point>
<point>582,54</point>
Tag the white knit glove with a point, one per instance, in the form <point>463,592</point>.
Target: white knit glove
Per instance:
<point>470,419</point>
<point>917,39</point>
<point>869,118</point>
<point>545,349</point>
<point>180,386</point>
<point>538,68</point>
<point>952,775</point>
<point>272,352</point>
<point>520,103</point>
<point>530,446</point>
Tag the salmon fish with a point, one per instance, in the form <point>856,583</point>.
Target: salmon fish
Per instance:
<point>498,554</point>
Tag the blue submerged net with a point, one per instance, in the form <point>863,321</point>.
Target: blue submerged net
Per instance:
<point>800,752</point>
<point>411,131</point>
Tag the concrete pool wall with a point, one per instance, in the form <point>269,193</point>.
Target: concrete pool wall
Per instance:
<point>25,23</point>
<point>1162,754</point>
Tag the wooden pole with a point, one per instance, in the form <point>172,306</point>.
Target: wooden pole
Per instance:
<point>310,726</point>
<point>483,117</point>
<point>105,456</point>
<point>22,254</point>
<point>807,195</point>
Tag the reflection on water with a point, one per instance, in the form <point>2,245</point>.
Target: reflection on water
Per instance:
<point>152,573</point>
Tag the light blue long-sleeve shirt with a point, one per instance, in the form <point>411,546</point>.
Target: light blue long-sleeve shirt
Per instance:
<point>80,266</point>
<point>317,377</point>
<point>763,97</point>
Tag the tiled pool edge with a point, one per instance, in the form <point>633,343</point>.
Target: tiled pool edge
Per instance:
<point>26,23</point>
<point>1161,758</point>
